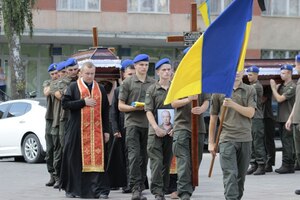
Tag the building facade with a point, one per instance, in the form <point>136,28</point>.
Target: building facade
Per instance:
<point>62,27</point>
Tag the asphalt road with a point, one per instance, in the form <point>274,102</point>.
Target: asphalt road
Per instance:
<point>22,181</point>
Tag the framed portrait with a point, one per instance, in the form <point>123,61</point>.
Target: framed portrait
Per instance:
<point>165,118</point>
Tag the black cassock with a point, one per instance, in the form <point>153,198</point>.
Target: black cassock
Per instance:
<point>73,180</point>
<point>117,156</point>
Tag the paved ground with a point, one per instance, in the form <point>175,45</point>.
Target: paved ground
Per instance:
<point>271,186</point>
<point>21,181</point>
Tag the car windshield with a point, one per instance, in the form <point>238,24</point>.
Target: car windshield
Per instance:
<point>42,101</point>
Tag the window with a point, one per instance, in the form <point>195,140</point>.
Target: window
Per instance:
<point>148,6</point>
<point>3,109</point>
<point>282,8</point>
<point>78,5</point>
<point>216,6</point>
<point>278,54</point>
<point>18,109</point>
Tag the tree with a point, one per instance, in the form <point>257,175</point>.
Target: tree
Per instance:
<point>16,15</point>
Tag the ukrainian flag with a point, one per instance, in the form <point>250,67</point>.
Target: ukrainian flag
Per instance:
<point>205,12</point>
<point>210,65</point>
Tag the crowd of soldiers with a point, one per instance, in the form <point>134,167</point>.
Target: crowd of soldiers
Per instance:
<point>62,74</point>
<point>144,128</point>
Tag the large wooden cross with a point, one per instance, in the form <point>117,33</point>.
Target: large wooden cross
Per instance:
<point>194,141</point>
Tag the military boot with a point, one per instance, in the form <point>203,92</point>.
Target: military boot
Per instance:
<point>137,194</point>
<point>260,170</point>
<point>252,169</point>
<point>143,197</point>
<point>160,197</point>
<point>285,169</point>
<point>268,168</point>
<point>57,182</point>
<point>297,166</point>
<point>51,182</point>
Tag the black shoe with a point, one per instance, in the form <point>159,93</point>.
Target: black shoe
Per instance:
<point>260,170</point>
<point>70,195</point>
<point>160,197</point>
<point>143,197</point>
<point>285,169</point>
<point>56,184</point>
<point>268,168</point>
<point>51,182</point>
<point>126,190</point>
<point>252,169</point>
<point>296,167</point>
<point>297,192</point>
<point>136,195</point>
<point>185,196</point>
<point>103,196</point>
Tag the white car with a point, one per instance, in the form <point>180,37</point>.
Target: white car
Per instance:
<point>22,129</point>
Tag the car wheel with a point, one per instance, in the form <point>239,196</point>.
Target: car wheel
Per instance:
<point>32,149</point>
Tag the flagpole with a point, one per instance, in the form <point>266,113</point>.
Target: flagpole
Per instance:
<point>194,145</point>
<point>224,111</point>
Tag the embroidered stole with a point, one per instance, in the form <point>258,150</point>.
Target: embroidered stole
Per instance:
<point>92,145</point>
<point>173,167</point>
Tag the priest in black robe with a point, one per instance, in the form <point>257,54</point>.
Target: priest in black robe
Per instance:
<point>83,167</point>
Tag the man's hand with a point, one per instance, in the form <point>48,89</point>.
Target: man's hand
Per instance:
<point>191,98</point>
<point>90,101</point>
<point>288,124</point>
<point>159,132</point>
<point>228,102</point>
<point>198,110</point>
<point>272,84</point>
<point>106,137</point>
<point>139,107</point>
<point>170,133</point>
<point>117,135</point>
<point>212,149</point>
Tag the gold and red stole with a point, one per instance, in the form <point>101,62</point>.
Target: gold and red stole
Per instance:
<point>173,167</point>
<point>92,146</point>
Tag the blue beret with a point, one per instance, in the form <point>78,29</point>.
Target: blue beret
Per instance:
<point>161,62</point>
<point>52,67</point>
<point>141,57</point>
<point>70,62</point>
<point>61,65</point>
<point>186,50</point>
<point>253,68</point>
<point>125,63</point>
<point>287,67</point>
<point>297,58</point>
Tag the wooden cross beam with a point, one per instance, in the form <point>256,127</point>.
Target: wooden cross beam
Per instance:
<point>180,38</point>
<point>95,37</point>
<point>194,140</point>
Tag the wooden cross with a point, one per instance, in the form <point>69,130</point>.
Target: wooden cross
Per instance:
<point>95,37</point>
<point>194,141</point>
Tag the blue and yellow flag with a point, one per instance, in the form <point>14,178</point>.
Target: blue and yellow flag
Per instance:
<point>210,65</point>
<point>205,12</point>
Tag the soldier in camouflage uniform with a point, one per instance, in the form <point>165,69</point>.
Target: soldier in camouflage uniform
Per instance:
<point>284,94</point>
<point>258,155</point>
<point>235,139</point>
<point>56,136</point>
<point>49,119</point>
<point>159,145</point>
<point>133,90</point>
<point>68,71</point>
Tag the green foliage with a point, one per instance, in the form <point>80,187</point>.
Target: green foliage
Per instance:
<point>16,15</point>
